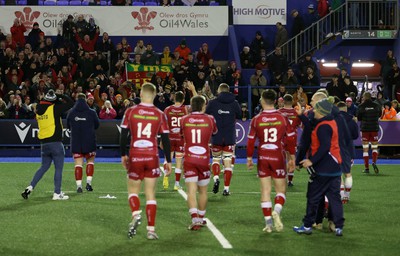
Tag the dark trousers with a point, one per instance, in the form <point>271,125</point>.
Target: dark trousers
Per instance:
<point>318,187</point>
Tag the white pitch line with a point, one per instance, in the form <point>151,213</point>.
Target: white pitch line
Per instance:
<point>220,237</point>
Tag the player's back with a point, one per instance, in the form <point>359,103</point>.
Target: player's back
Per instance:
<point>145,122</point>
<point>174,116</point>
<point>197,129</point>
<point>270,128</point>
<point>292,116</point>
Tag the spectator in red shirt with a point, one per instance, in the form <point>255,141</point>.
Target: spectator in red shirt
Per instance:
<point>183,50</point>
<point>204,55</point>
<point>17,30</point>
<point>323,8</point>
<point>86,44</point>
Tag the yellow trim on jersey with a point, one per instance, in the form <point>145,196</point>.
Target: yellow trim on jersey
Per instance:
<point>46,123</point>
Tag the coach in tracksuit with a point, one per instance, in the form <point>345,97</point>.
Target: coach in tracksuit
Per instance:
<point>225,109</point>
<point>83,122</point>
<point>324,167</point>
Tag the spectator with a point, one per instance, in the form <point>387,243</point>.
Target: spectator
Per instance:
<point>277,62</point>
<point>310,79</point>
<point>289,78</point>
<point>323,8</point>
<point>105,44</point>
<point>305,63</point>
<point>334,88</point>
<point>68,28</point>
<point>380,99</point>
<point>34,36</point>
<point>10,43</point>
<point>299,94</point>
<point>16,110</point>
<point>351,107</point>
<point>92,104</point>
<point>86,65</point>
<point>3,109</point>
<point>125,45</point>
<point>82,26</point>
<point>386,66</point>
<point>396,106</point>
<point>388,113</point>
<point>213,81</point>
<point>107,112</point>
<point>257,79</point>
<point>166,56</point>
<point>246,58</point>
<point>17,31</point>
<point>258,44</point>
<point>281,92</point>
<point>393,79</point>
<point>343,74</point>
<point>149,57</point>
<point>204,55</point>
<point>183,50</point>
<point>140,48</point>
<point>245,112</point>
<point>311,16</point>
<point>298,23</point>
<point>349,86</point>
<point>87,44</point>
<point>281,36</point>
<point>263,64</point>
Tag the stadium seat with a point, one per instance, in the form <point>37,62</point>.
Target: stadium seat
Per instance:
<point>75,2</point>
<point>41,2</point>
<point>63,3</point>
<point>85,3</point>
<point>49,2</point>
<point>2,2</point>
<point>214,4</point>
<point>22,2</point>
<point>103,3</point>
<point>137,3</point>
<point>151,4</point>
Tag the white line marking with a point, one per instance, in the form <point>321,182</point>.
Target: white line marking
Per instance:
<point>163,192</point>
<point>220,237</point>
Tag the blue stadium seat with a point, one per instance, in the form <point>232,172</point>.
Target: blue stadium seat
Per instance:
<point>151,4</point>
<point>22,2</point>
<point>103,3</point>
<point>214,4</point>
<point>2,2</point>
<point>50,2</point>
<point>63,3</point>
<point>41,2</point>
<point>85,3</point>
<point>137,3</point>
<point>75,2</point>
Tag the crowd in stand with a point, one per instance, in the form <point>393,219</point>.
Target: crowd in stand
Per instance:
<point>79,60</point>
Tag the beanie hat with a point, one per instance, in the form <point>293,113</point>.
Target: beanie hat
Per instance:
<point>35,24</point>
<point>183,42</point>
<point>90,96</point>
<point>50,96</point>
<point>324,106</point>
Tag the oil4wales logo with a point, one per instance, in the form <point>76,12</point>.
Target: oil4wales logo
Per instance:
<point>27,17</point>
<point>144,18</point>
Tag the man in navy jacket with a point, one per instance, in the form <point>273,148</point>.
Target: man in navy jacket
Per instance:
<point>324,168</point>
<point>225,109</point>
<point>82,122</point>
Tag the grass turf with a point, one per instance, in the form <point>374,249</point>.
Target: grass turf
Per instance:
<point>88,225</point>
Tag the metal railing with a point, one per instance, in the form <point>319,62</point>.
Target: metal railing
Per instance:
<point>354,15</point>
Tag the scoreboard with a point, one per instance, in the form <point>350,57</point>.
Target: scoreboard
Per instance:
<point>369,34</point>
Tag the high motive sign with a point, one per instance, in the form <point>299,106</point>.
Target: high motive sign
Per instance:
<point>259,12</point>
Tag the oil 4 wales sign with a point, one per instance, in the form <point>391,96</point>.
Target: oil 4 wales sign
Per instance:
<point>138,74</point>
<point>126,21</point>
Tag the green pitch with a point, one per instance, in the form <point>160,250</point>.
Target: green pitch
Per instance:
<point>88,225</point>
